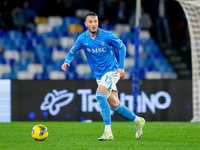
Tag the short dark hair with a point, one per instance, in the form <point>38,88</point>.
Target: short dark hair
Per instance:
<point>90,14</point>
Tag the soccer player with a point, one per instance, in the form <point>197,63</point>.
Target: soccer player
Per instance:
<point>98,46</point>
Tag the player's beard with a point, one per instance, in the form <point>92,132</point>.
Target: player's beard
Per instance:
<point>93,32</point>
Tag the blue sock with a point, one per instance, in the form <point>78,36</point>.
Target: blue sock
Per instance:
<point>105,108</point>
<point>125,112</point>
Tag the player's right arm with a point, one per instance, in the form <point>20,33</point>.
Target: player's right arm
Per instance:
<point>70,56</point>
<point>64,66</point>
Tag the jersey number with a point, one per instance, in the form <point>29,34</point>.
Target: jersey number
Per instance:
<point>108,80</point>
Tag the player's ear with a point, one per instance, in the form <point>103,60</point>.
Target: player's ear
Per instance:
<point>85,24</point>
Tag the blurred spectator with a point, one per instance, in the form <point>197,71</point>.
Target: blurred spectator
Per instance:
<point>29,16</point>
<point>2,23</point>
<point>5,8</point>
<point>39,6</point>
<point>182,27</point>
<point>18,19</point>
<point>161,11</point>
<point>61,8</point>
<point>145,21</point>
<point>102,11</point>
<point>113,5</point>
<point>55,8</point>
<point>70,7</point>
<point>122,13</point>
<point>183,34</point>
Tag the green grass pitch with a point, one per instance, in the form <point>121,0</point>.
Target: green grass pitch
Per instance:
<point>84,136</point>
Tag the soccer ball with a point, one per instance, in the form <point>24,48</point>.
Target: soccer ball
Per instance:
<point>39,132</point>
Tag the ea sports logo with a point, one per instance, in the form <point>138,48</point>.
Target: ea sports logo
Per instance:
<point>55,100</point>
<point>89,50</point>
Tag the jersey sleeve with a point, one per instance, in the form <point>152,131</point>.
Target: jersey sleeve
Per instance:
<point>118,44</point>
<point>77,46</point>
<point>114,41</point>
<point>73,51</point>
<point>122,55</point>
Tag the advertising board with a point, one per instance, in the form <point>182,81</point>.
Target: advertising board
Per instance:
<point>75,100</point>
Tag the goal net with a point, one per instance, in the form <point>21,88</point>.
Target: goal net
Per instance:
<point>191,9</point>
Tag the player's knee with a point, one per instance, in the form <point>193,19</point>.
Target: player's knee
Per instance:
<point>113,103</point>
<point>102,89</point>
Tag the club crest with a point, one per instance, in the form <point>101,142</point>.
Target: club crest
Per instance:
<point>102,43</point>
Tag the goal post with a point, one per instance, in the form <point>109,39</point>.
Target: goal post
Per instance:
<point>191,9</point>
<point>135,76</point>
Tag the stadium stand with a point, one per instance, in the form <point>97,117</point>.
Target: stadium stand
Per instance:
<point>39,54</point>
<point>45,47</point>
<point>57,75</point>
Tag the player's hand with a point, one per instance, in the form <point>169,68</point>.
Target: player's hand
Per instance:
<point>64,66</point>
<point>121,73</point>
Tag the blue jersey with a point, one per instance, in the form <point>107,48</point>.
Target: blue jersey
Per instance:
<point>99,51</point>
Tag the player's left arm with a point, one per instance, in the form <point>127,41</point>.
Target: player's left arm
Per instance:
<point>122,55</point>
<point>117,43</point>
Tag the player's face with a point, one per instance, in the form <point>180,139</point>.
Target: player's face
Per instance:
<point>92,24</point>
